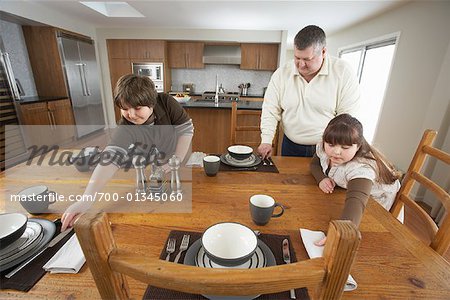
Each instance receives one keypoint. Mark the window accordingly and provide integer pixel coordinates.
(372, 63)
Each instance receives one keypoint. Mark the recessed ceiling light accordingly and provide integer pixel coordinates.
(113, 9)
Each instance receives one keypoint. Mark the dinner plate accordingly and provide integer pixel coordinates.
(252, 161)
(30, 235)
(48, 231)
(17, 254)
(264, 252)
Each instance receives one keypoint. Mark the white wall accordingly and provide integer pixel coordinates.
(34, 11)
(417, 96)
(269, 36)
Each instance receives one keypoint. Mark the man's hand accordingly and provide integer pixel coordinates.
(73, 212)
(327, 185)
(264, 150)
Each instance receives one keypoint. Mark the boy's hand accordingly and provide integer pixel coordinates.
(327, 185)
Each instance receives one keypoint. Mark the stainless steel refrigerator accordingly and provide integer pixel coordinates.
(12, 142)
(83, 82)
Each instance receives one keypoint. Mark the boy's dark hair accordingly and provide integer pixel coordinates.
(347, 130)
(135, 90)
(311, 35)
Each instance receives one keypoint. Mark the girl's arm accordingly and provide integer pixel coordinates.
(325, 183)
(316, 169)
(358, 192)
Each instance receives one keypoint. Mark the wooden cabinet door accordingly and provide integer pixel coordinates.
(118, 68)
(185, 55)
(117, 48)
(150, 50)
(259, 56)
(45, 60)
(61, 112)
(249, 56)
(194, 55)
(35, 114)
(176, 53)
(268, 57)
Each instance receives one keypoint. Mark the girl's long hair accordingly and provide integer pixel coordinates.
(347, 130)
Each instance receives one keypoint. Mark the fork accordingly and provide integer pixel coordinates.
(170, 247)
(183, 247)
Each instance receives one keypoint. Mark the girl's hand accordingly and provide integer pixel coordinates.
(321, 242)
(327, 185)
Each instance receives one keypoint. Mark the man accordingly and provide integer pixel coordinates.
(306, 94)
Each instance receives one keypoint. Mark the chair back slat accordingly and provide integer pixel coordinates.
(109, 265)
(439, 236)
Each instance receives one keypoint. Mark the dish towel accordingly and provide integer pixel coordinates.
(308, 238)
(69, 259)
(196, 159)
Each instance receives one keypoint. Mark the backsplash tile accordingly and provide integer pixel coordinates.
(230, 76)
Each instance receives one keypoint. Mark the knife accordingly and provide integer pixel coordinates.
(287, 259)
(245, 169)
(52, 243)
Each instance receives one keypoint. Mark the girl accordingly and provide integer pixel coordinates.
(140, 104)
(344, 158)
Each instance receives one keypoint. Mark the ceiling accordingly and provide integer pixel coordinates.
(291, 16)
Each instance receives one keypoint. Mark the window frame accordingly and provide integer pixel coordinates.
(364, 46)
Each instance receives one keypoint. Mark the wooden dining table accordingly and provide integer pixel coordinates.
(390, 263)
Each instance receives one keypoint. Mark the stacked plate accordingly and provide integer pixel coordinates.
(263, 257)
(252, 161)
(36, 236)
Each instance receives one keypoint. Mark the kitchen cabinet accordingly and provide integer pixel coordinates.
(45, 61)
(117, 68)
(259, 56)
(186, 55)
(49, 113)
(150, 50)
(118, 49)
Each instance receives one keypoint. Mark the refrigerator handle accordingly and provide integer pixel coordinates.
(80, 66)
(10, 76)
(88, 92)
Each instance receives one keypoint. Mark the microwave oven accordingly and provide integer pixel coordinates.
(155, 71)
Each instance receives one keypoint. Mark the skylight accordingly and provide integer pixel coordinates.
(113, 9)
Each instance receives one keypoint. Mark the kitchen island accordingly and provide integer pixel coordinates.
(212, 124)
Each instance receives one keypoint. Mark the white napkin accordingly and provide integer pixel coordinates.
(68, 259)
(196, 159)
(309, 237)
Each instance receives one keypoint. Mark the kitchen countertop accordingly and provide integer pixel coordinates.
(36, 99)
(256, 105)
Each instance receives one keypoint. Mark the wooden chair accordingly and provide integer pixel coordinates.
(439, 237)
(252, 137)
(108, 265)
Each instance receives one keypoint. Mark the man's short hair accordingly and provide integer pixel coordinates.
(310, 35)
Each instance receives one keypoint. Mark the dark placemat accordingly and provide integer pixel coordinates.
(29, 275)
(258, 168)
(273, 241)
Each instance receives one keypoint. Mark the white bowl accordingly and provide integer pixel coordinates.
(240, 152)
(229, 244)
(12, 226)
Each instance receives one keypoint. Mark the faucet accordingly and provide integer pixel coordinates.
(216, 96)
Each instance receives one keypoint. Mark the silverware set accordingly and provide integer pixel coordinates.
(267, 162)
(171, 245)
